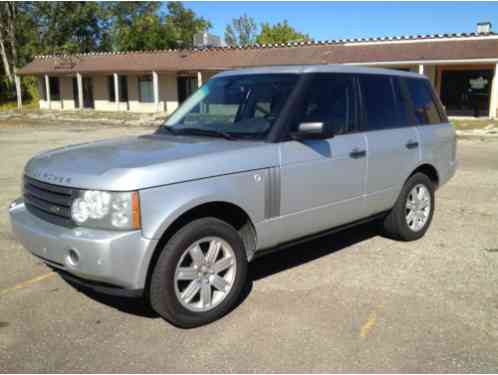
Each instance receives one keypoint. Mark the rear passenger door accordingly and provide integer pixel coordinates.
(392, 144)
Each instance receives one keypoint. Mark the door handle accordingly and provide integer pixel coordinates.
(357, 153)
(411, 144)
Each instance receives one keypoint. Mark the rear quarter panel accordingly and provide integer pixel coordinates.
(438, 148)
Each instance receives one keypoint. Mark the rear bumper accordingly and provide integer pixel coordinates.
(112, 262)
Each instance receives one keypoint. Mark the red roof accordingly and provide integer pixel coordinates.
(395, 49)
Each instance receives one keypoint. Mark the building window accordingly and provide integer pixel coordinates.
(55, 93)
(123, 88)
(43, 88)
(186, 87)
(54, 88)
(145, 89)
(466, 92)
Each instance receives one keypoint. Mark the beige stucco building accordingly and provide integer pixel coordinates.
(462, 67)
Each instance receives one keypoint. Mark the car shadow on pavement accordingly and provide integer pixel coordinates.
(309, 251)
(260, 268)
(129, 305)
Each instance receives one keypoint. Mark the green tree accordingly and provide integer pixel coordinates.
(18, 43)
(140, 26)
(33, 28)
(241, 32)
(279, 33)
(8, 45)
(137, 26)
(185, 23)
(71, 27)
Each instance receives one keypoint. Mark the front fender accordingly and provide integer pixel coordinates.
(161, 206)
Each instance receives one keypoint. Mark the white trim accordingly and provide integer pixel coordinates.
(79, 81)
(155, 86)
(422, 40)
(493, 101)
(116, 90)
(416, 62)
(18, 91)
(47, 91)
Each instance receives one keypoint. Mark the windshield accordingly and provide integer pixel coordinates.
(245, 106)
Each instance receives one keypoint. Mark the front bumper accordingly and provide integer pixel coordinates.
(105, 260)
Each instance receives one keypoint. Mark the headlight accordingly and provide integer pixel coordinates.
(106, 210)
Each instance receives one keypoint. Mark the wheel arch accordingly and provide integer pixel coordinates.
(429, 170)
(229, 212)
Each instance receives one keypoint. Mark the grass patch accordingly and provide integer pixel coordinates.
(466, 124)
(9, 106)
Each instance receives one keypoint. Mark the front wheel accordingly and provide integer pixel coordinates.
(412, 214)
(200, 273)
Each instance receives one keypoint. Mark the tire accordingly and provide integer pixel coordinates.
(396, 223)
(167, 287)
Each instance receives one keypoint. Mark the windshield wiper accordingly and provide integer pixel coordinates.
(207, 132)
(166, 129)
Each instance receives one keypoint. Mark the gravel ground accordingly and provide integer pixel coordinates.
(350, 302)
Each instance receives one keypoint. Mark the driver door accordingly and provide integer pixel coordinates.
(323, 180)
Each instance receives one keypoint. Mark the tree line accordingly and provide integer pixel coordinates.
(50, 28)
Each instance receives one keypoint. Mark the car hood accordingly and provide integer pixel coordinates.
(132, 163)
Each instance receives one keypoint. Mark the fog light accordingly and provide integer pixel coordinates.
(72, 257)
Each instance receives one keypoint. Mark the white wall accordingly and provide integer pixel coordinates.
(168, 95)
(66, 85)
(168, 92)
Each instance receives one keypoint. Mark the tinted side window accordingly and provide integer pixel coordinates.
(402, 107)
(330, 99)
(420, 94)
(380, 106)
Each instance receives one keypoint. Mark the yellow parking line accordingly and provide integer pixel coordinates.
(367, 327)
(27, 283)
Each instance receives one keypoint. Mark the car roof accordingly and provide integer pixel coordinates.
(325, 68)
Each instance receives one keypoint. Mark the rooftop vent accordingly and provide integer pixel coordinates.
(206, 40)
(484, 27)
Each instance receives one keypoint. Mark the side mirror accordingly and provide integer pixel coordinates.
(311, 130)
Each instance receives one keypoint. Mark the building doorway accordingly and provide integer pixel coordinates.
(466, 92)
(186, 87)
(88, 101)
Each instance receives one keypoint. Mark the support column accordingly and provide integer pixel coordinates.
(199, 79)
(18, 92)
(155, 85)
(421, 69)
(47, 91)
(79, 80)
(493, 99)
(116, 90)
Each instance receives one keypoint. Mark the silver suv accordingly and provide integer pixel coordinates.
(253, 161)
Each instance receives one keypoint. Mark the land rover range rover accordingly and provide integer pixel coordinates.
(252, 161)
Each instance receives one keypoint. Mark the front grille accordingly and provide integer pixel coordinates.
(49, 202)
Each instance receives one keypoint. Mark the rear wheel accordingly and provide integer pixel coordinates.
(200, 273)
(412, 214)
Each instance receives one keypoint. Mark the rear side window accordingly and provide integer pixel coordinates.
(383, 107)
(330, 99)
(422, 99)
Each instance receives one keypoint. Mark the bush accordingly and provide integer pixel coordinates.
(7, 90)
(29, 87)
